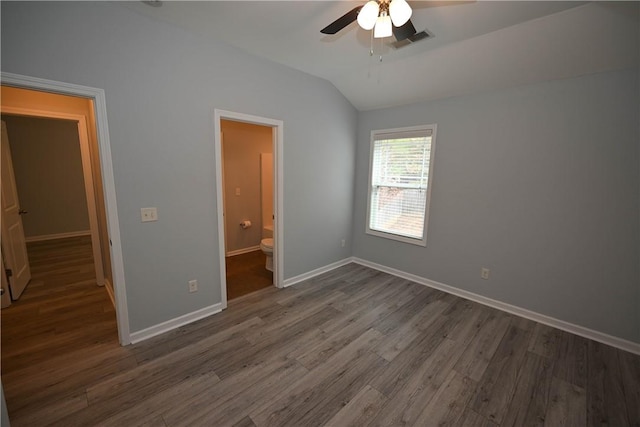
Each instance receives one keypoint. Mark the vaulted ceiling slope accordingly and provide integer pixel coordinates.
(476, 45)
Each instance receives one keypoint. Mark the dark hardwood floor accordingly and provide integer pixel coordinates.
(350, 347)
(246, 273)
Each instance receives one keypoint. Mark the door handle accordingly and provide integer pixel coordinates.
(22, 212)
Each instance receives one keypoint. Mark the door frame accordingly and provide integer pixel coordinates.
(108, 182)
(277, 132)
(87, 172)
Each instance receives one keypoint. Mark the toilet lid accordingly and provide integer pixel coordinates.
(267, 242)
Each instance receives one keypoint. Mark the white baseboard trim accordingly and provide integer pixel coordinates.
(169, 325)
(242, 251)
(582, 331)
(109, 288)
(308, 275)
(57, 236)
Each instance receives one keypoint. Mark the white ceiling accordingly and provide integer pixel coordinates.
(477, 46)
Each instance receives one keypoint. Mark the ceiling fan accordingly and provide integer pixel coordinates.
(385, 17)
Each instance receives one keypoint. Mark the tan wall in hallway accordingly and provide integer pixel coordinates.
(242, 145)
(49, 178)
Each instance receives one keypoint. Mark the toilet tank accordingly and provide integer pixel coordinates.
(267, 232)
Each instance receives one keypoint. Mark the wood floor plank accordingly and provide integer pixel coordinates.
(606, 403)
(630, 375)
(245, 422)
(52, 411)
(567, 405)
(402, 368)
(377, 290)
(189, 334)
(571, 359)
(406, 334)
(236, 396)
(395, 320)
(33, 351)
(63, 381)
(289, 316)
(233, 408)
(478, 354)
(154, 405)
(186, 362)
(339, 336)
(339, 379)
(408, 399)
(470, 418)
(360, 410)
(246, 273)
(545, 341)
(497, 386)
(281, 344)
(528, 405)
(333, 393)
(448, 404)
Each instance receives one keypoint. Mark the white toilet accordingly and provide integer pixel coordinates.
(266, 245)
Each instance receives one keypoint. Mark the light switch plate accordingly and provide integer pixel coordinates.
(148, 214)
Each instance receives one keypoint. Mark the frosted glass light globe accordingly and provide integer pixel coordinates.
(368, 15)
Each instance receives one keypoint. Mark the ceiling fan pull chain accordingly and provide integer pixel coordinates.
(371, 48)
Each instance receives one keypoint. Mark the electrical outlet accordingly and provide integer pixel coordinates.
(193, 286)
(343, 242)
(484, 273)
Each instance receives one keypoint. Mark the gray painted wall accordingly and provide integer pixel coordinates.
(162, 85)
(48, 170)
(242, 145)
(537, 183)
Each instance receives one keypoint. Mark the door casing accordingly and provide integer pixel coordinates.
(278, 187)
(108, 182)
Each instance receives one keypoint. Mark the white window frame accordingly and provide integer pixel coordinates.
(397, 133)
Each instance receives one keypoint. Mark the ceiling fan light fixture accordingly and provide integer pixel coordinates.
(368, 15)
(383, 27)
(400, 12)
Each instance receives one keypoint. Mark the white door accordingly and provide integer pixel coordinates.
(5, 297)
(14, 247)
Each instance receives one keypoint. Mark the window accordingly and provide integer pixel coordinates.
(399, 183)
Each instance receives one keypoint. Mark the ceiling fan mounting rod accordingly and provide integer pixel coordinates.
(384, 6)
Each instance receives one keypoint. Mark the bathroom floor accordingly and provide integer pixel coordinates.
(246, 274)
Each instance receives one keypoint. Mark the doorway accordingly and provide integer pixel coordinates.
(51, 163)
(247, 164)
(240, 228)
(35, 100)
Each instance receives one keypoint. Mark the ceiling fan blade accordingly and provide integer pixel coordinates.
(342, 22)
(404, 31)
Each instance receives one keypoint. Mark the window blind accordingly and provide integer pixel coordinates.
(399, 182)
